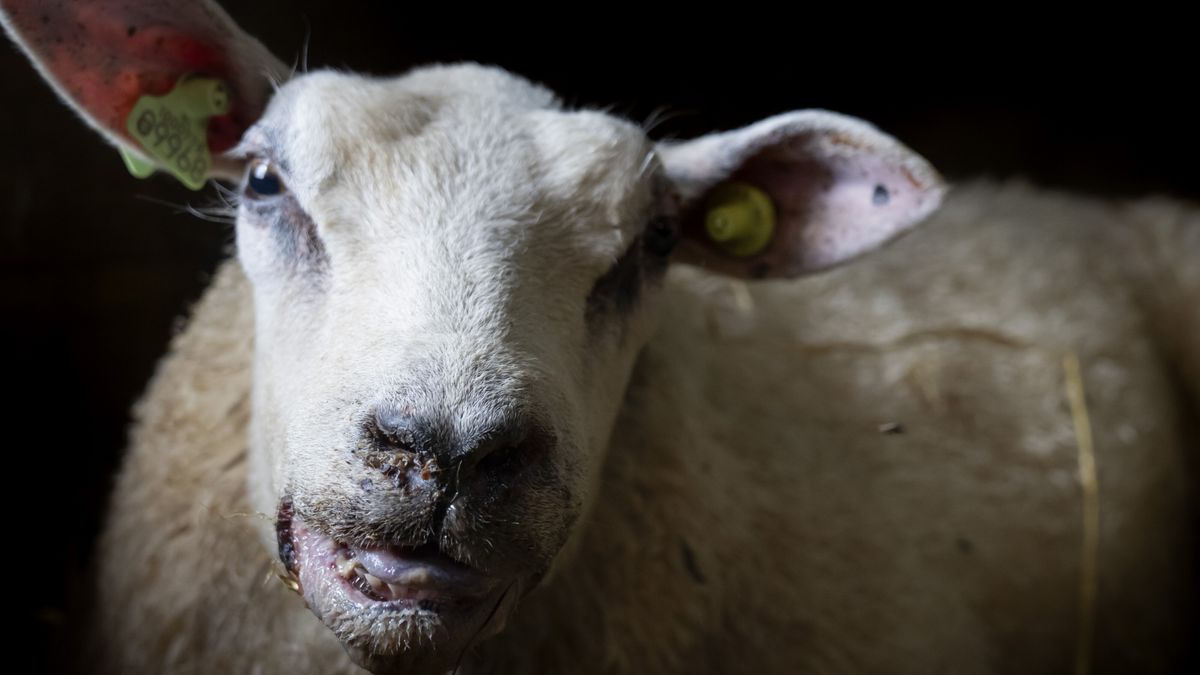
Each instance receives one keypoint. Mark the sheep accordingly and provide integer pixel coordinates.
(891, 466)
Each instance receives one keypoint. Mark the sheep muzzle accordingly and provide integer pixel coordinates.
(395, 608)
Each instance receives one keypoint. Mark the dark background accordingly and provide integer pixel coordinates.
(98, 268)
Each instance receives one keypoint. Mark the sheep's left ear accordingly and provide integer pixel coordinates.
(834, 187)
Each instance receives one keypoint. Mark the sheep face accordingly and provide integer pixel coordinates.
(452, 279)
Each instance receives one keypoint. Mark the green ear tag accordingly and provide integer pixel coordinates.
(740, 219)
(173, 129)
(137, 166)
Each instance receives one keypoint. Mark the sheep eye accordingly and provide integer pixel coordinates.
(661, 235)
(262, 181)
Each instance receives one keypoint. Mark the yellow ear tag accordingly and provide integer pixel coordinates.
(173, 129)
(740, 219)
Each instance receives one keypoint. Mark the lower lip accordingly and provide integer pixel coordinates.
(419, 580)
(405, 593)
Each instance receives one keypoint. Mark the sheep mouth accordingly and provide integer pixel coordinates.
(408, 576)
(392, 605)
(399, 576)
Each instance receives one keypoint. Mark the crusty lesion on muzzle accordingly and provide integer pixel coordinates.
(500, 521)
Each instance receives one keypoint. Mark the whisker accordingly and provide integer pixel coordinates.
(270, 77)
(472, 642)
(217, 213)
(304, 48)
(660, 116)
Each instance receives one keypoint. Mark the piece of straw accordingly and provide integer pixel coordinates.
(1089, 493)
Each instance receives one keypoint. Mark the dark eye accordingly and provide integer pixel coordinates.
(262, 181)
(661, 235)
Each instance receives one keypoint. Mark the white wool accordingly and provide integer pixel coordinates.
(752, 516)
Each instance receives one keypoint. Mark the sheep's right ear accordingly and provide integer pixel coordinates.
(104, 56)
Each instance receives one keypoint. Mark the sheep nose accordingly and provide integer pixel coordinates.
(395, 428)
(403, 439)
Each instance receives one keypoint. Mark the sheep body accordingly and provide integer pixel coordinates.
(870, 470)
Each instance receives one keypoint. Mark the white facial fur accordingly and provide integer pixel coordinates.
(436, 251)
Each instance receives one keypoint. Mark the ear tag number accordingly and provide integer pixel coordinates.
(740, 219)
(173, 129)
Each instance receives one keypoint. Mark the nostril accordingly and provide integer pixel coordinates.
(510, 451)
(398, 442)
(500, 457)
(396, 427)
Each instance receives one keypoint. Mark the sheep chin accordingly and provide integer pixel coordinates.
(438, 649)
(419, 641)
(425, 631)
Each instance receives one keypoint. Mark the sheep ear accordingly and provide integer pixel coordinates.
(811, 188)
(104, 56)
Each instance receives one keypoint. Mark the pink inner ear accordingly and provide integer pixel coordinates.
(833, 203)
(836, 195)
(105, 60)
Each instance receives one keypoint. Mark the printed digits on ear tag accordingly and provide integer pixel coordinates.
(172, 130)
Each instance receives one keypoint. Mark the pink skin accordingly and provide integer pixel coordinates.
(420, 575)
(106, 54)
